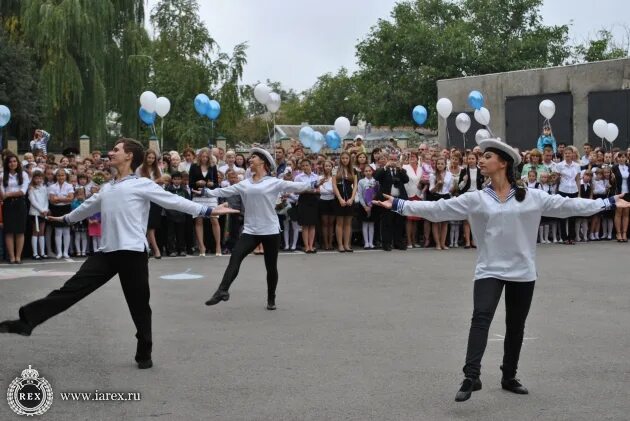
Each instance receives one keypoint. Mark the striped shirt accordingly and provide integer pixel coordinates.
(41, 143)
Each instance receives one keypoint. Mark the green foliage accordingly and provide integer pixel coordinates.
(601, 48)
(427, 40)
(188, 62)
(18, 88)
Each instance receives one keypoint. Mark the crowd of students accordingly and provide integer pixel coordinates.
(336, 214)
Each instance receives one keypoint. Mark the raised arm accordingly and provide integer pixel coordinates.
(556, 206)
(229, 191)
(454, 209)
(292, 186)
(167, 200)
(87, 209)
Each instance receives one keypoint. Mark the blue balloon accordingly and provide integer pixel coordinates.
(333, 141)
(318, 142)
(306, 136)
(202, 104)
(147, 117)
(419, 114)
(5, 115)
(214, 109)
(475, 99)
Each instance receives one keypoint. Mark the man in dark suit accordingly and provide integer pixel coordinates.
(392, 179)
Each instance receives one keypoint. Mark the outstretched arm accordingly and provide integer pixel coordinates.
(222, 192)
(454, 209)
(557, 206)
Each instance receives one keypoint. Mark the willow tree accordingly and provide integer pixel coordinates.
(74, 41)
(187, 61)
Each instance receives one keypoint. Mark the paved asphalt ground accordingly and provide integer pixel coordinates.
(367, 336)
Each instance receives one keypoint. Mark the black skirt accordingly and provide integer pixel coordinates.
(345, 191)
(59, 211)
(155, 217)
(307, 210)
(326, 207)
(14, 215)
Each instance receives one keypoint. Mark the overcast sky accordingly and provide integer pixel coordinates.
(295, 41)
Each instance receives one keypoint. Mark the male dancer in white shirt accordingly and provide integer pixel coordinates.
(124, 207)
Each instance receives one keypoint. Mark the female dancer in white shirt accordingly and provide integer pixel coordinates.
(261, 226)
(502, 217)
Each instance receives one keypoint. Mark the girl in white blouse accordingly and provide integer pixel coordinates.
(569, 187)
(60, 197)
(414, 192)
(38, 198)
(13, 188)
(326, 204)
(440, 185)
(501, 217)
(622, 177)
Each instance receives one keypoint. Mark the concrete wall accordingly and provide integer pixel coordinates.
(578, 79)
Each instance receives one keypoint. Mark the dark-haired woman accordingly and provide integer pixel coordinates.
(503, 218)
(259, 194)
(13, 188)
(151, 169)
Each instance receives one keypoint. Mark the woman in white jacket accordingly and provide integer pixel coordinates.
(38, 198)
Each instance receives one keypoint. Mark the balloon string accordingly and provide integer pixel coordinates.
(490, 131)
(464, 137)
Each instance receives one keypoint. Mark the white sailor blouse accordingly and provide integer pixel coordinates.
(505, 231)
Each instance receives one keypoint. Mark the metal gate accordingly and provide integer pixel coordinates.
(523, 121)
(614, 107)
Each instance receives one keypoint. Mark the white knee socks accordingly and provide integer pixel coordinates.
(62, 232)
(80, 243)
(368, 234)
(42, 246)
(96, 243)
(34, 245)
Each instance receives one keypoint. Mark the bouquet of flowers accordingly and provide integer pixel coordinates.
(98, 178)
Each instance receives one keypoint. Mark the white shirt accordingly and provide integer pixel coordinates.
(38, 196)
(311, 179)
(568, 172)
(505, 232)
(124, 207)
(12, 185)
(259, 201)
(326, 191)
(446, 186)
(61, 190)
(600, 186)
(473, 180)
(414, 178)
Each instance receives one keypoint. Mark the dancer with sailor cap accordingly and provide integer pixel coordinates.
(501, 217)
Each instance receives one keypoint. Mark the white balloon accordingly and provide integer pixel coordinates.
(462, 121)
(444, 107)
(600, 127)
(162, 106)
(612, 131)
(481, 135)
(342, 126)
(262, 93)
(482, 115)
(547, 108)
(148, 100)
(273, 104)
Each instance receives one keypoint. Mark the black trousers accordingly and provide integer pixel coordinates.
(570, 235)
(244, 246)
(133, 270)
(486, 296)
(176, 235)
(393, 229)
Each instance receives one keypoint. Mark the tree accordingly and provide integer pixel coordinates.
(603, 47)
(73, 42)
(331, 96)
(188, 62)
(18, 88)
(427, 40)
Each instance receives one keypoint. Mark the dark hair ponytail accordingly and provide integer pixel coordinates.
(521, 189)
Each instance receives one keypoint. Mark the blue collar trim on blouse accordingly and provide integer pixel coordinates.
(489, 190)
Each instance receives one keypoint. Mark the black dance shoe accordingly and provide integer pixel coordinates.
(514, 385)
(16, 326)
(469, 385)
(271, 304)
(144, 364)
(218, 297)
